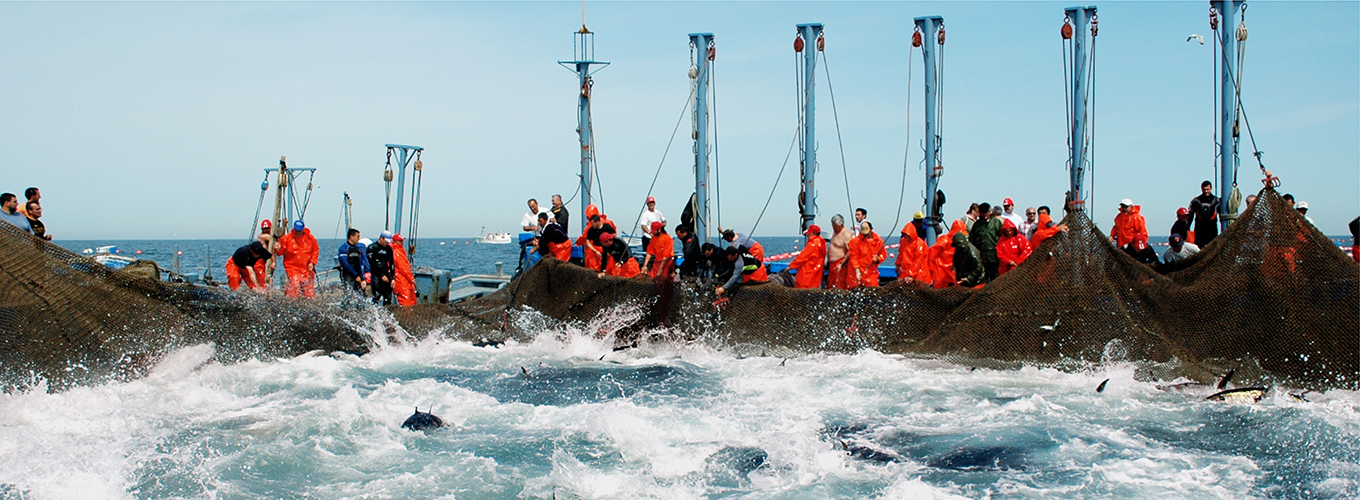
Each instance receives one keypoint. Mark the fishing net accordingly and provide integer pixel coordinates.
(66, 319)
(1271, 298)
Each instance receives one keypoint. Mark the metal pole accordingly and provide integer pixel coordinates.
(929, 26)
(810, 34)
(1227, 146)
(401, 184)
(583, 49)
(702, 42)
(1081, 18)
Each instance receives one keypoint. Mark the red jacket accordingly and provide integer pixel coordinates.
(913, 257)
(299, 251)
(865, 255)
(661, 248)
(942, 257)
(404, 287)
(1011, 250)
(810, 262)
(1127, 224)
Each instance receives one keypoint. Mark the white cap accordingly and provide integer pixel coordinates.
(1126, 202)
(1302, 205)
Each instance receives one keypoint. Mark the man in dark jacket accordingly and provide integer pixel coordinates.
(382, 268)
(967, 265)
(245, 259)
(1204, 214)
(353, 261)
(984, 235)
(690, 250)
(1182, 224)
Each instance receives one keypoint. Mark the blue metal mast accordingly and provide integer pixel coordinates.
(703, 44)
(1227, 142)
(404, 155)
(928, 26)
(583, 50)
(808, 34)
(1079, 17)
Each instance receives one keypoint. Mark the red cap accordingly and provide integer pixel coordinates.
(1008, 201)
(397, 237)
(1182, 211)
(656, 226)
(606, 237)
(813, 229)
(651, 199)
(265, 224)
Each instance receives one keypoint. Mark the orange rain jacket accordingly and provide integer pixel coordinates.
(810, 262)
(1128, 224)
(1043, 232)
(913, 258)
(942, 257)
(661, 248)
(1011, 249)
(591, 254)
(865, 254)
(299, 252)
(404, 286)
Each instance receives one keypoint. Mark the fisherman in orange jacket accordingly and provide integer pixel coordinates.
(234, 280)
(554, 240)
(866, 252)
(942, 256)
(1044, 231)
(1128, 223)
(660, 252)
(404, 285)
(618, 259)
(589, 241)
(810, 262)
(1012, 248)
(913, 258)
(300, 252)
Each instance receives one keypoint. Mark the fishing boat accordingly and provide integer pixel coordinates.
(494, 238)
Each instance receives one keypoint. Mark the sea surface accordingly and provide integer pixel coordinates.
(565, 416)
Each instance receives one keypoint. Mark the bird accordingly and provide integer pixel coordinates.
(1196, 37)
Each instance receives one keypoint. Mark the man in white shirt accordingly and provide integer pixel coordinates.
(1178, 249)
(1031, 223)
(650, 215)
(530, 220)
(1009, 206)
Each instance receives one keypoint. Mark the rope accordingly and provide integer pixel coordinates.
(594, 165)
(1091, 144)
(264, 189)
(713, 88)
(387, 205)
(419, 176)
(906, 154)
(826, 66)
(797, 132)
(1237, 94)
(683, 111)
(1067, 99)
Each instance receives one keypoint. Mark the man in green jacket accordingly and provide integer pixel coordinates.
(984, 235)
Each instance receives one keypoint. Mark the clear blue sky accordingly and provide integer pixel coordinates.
(156, 120)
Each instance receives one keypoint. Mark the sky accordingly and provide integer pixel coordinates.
(156, 120)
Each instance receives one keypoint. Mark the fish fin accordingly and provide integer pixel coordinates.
(1101, 388)
(1223, 382)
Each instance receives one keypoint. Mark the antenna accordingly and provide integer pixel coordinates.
(583, 17)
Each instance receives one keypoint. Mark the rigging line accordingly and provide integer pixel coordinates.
(387, 205)
(1091, 149)
(939, 108)
(1217, 98)
(1067, 103)
(826, 67)
(683, 111)
(906, 155)
(792, 143)
(258, 207)
(594, 165)
(1237, 92)
(713, 88)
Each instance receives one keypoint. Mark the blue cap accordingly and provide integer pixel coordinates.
(298, 225)
(386, 235)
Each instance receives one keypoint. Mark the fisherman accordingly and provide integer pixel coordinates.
(618, 258)
(244, 259)
(1128, 223)
(559, 212)
(34, 213)
(382, 269)
(353, 261)
(811, 261)
(31, 195)
(530, 219)
(300, 252)
(1046, 230)
(717, 267)
(404, 286)
(967, 266)
(1139, 250)
(590, 237)
(528, 252)
(660, 259)
(1251, 200)
(860, 215)
(739, 240)
(1203, 214)
(866, 252)
(1031, 223)
(984, 235)
(942, 256)
(1302, 208)
(746, 268)
(1182, 224)
(918, 219)
(1010, 215)
(649, 216)
(1044, 210)
(1179, 249)
(1011, 249)
(837, 248)
(1354, 226)
(554, 240)
(913, 257)
(690, 250)
(9, 212)
(970, 217)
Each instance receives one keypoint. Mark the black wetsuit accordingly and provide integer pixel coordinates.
(1182, 228)
(352, 264)
(1204, 214)
(616, 249)
(380, 264)
(552, 233)
(561, 215)
(1147, 255)
(246, 257)
(693, 254)
(593, 234)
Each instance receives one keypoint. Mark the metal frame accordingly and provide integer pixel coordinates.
(701, 43)
(583, 51)
(807, 118)
(930, 26)
(1080, 18)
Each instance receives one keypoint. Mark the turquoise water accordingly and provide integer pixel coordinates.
(565, 416)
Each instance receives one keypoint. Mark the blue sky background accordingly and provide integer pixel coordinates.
(156, 120)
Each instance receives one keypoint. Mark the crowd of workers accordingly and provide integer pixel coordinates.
(380, 269)
(983, 245)
(26, 215)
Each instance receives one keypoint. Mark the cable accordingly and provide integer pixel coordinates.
(906, 154)
(683, 111)
(717, 186)
(796, 133)
(826, 66)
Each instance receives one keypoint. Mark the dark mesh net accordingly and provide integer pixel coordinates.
(1271, 298)
(67, 319)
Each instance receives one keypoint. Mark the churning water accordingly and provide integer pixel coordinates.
(565, 416)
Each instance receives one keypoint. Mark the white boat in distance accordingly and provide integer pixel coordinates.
(494, 238)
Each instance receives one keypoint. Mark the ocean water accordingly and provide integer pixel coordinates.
(565, 416)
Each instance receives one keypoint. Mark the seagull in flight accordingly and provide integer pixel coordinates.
(1196, 37)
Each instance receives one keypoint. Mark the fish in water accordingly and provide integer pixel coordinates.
(1101, 387)
(488, 343)
(1240, 395)
(422, 421)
